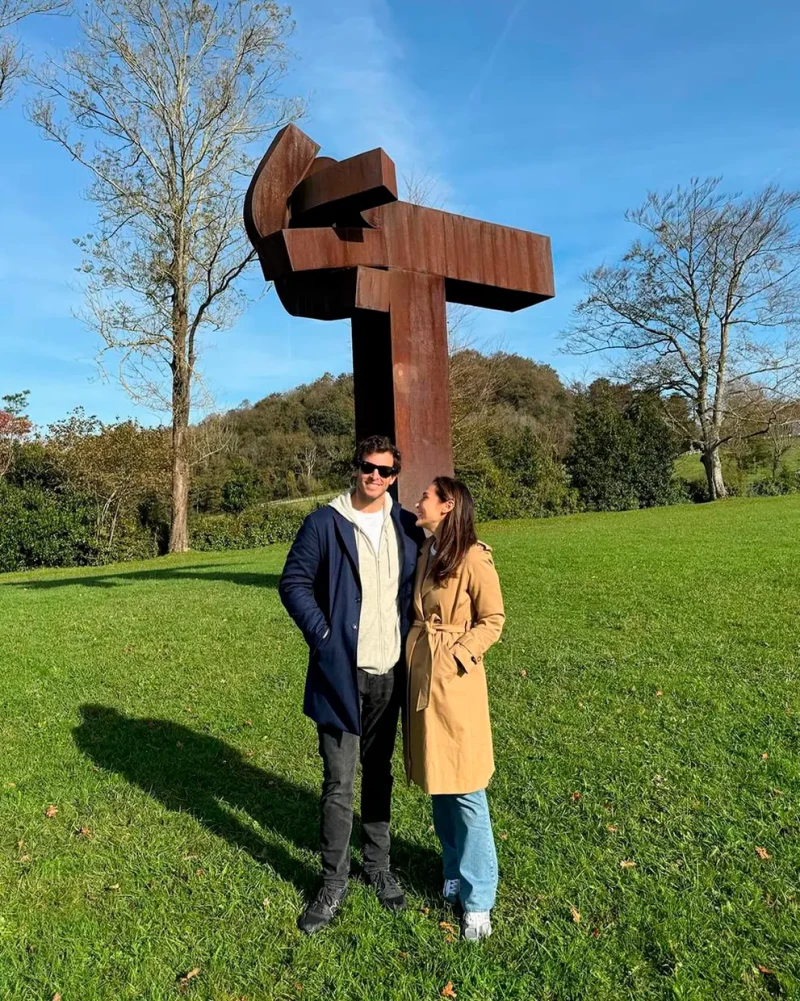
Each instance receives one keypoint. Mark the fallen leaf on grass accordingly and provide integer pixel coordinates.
(523, 674)
(447, 990)
(84, 832)
(20, 844)
(659, 693)
(576, 915)
(403, 955)
(764, 756)
(595, 933)
(612, 828)
(185, 978)
(576, 796)
(425, 910)
(51, 811)
(248, 722)
(763, 854)
(56, 996)
(766, 971)
(627, 864)
(778, 792)
(447, 927)
(503, 835)
(265, 903)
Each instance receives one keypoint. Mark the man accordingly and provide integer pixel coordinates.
(348, 583)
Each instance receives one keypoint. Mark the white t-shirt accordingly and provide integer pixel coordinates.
(371, 525)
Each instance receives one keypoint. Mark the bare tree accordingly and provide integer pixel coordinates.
(12, 57)
(163, 102)
(703, 306)
(307, 458)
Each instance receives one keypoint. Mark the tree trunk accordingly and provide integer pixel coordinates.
(179, 531)
(181, 389)
(713, 467)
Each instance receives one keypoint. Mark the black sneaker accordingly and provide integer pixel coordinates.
(389, 891)
(322, 909)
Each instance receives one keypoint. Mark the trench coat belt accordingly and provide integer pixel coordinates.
(434, 629)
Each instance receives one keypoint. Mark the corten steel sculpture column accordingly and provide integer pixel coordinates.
(337, 243)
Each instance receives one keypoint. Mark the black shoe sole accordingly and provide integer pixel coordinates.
(389, 906)
(316, 930)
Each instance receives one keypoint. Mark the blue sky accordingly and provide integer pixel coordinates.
(552, 117)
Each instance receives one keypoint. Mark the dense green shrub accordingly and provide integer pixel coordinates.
(623, 451)
(40, 528)
(257, 526)
(686, 491)
(786, 482)
(241, 489)
(519, 479)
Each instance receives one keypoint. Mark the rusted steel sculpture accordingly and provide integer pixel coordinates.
(338, 244)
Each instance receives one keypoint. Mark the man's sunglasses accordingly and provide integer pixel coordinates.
(384, 471)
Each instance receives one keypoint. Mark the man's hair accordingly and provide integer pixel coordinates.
(376, 443)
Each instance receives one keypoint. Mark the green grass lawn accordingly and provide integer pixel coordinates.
(645, 703)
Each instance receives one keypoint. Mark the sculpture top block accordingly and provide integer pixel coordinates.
(307, 213)
(337, 243)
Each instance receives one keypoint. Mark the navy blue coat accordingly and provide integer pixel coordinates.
(321, 589)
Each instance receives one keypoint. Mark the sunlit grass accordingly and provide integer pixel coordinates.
(645, 704)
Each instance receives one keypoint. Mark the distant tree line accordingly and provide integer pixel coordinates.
(81, 491)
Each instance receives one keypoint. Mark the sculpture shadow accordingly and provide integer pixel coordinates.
(202, 572)
(203, 776)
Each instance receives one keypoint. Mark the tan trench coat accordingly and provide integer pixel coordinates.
(448, 735)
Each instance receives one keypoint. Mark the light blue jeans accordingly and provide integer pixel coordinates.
(464, 828)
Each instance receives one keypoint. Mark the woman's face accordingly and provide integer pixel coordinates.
(431, 510)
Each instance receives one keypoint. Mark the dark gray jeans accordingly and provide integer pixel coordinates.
(380, 696)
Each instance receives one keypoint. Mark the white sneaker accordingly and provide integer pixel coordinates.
(451, 890)
(476, 924)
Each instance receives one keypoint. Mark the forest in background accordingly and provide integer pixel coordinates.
(82, 492)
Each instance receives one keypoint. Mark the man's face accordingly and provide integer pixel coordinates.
(371, 484)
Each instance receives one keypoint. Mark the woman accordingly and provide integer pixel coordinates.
(458, 611)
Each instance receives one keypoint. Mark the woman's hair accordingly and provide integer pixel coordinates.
(457, 533)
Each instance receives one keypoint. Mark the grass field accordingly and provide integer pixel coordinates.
(689, 467)
(645, 702)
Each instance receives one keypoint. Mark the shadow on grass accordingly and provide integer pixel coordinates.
(203, 572)
(202, 775)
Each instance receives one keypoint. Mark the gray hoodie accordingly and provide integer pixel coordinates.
(379, 623)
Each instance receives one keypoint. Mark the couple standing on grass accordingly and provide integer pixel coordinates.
(396, 622)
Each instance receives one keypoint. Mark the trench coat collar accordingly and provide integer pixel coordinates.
(424, 581)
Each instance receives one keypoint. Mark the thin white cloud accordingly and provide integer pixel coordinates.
(491, 59)
(353, 65)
